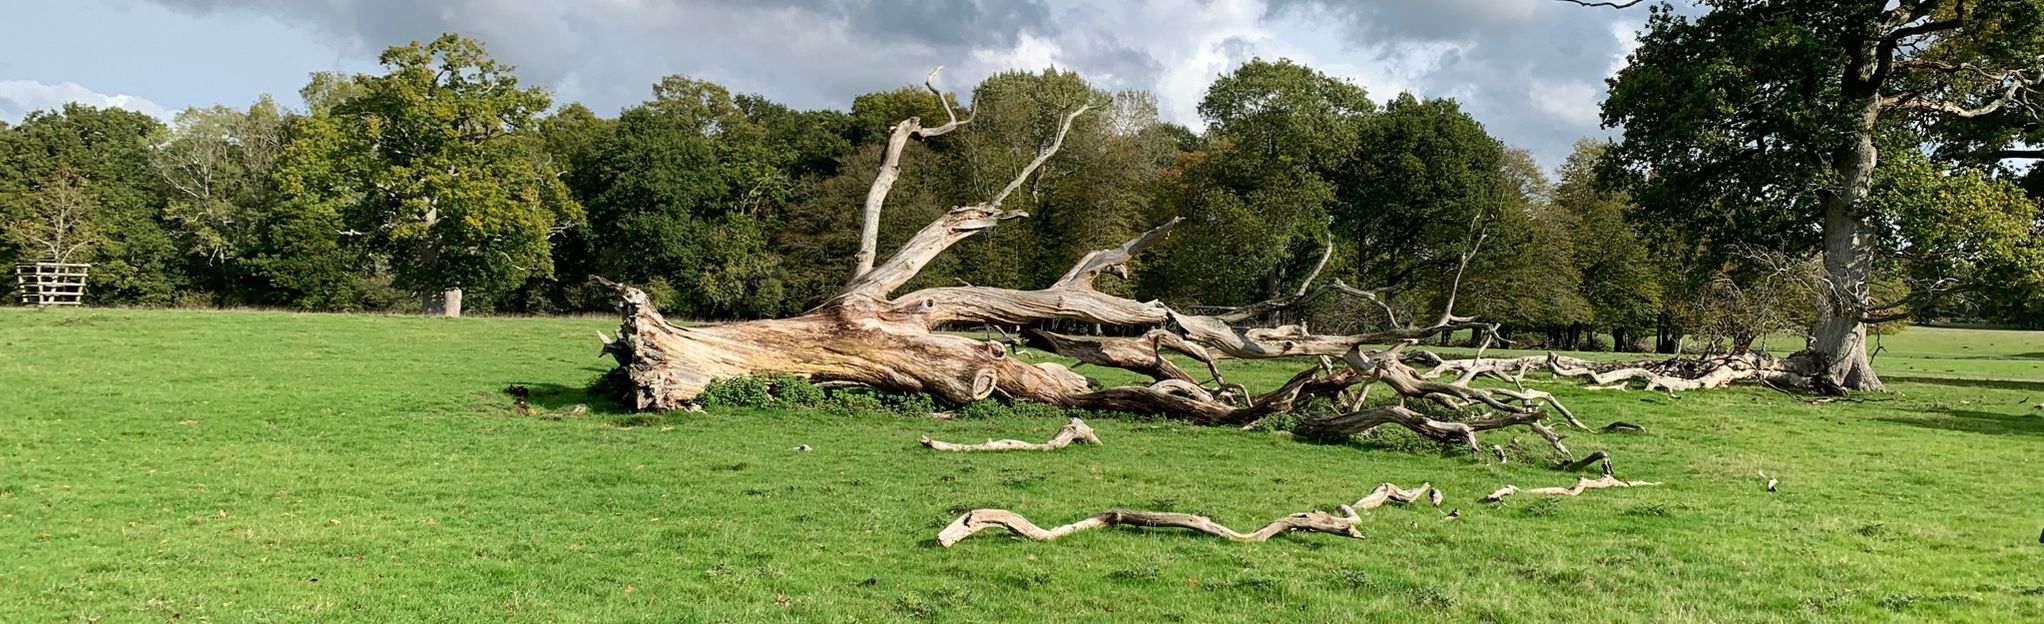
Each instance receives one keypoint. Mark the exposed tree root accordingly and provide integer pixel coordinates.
(1074, 431)
(1342, 523)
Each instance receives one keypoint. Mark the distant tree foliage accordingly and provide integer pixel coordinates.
(442, 171)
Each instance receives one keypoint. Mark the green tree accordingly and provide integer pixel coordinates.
(1526, 274)
(216, 164)
(57, 222)
(675, 166)
(1089, 197)
(107, 150)
(1423, 176)
(1261, 192)
(453, 186)
(1757, 122)
(1621, 280)
(309, 257)
(1951, 231)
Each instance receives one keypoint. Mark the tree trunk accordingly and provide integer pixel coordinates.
(444, 303)
(1841, 335)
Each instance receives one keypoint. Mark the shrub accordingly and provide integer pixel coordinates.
(748, 391)
(795, 391)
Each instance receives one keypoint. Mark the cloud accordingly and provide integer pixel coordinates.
(18, 98)
(1531, 70)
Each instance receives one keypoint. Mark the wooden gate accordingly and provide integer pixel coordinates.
(51, 283)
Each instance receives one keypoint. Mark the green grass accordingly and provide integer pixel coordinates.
(273, 467)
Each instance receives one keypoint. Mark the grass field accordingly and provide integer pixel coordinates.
(274, 467)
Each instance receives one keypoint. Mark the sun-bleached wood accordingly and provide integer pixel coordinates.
(1074, 431)
(1342, 523)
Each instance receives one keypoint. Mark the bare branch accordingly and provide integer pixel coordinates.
(1113, 260)
(890, 170)
(1615, 5)
(1041, 156)
(878, 281)
(1317, 267)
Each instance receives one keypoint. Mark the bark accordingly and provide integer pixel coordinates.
(1680, 375)
(1841, 333)
(444, 303)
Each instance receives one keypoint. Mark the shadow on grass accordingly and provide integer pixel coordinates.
(1998, 384)
(1972, 421)
(547, 397)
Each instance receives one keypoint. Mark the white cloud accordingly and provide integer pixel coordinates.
(1571, 101)
(18, 98)
(1530, 70)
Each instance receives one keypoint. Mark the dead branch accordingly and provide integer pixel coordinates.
(1614, 5)
(1673, 376)
(1444, 432)
(1391, 493)
(1074, 431)
(978, 520)
(1342, 523)
(890, 170)
(1583, 484)
(867, 335)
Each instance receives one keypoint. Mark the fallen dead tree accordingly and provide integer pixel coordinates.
(868, 335)
(1074, 431)
(1342, 523)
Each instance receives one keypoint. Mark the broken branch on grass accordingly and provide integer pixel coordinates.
(1583, 484)
(977, 520)
(1074, 431)
(1342, 523)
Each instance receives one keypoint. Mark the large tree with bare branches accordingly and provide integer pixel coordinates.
(1763, 121)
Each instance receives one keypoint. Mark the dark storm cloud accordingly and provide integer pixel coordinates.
(1531, 70)
(813, 52)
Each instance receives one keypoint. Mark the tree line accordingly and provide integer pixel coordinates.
(443, 182)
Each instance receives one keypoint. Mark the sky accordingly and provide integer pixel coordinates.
(1531, 70)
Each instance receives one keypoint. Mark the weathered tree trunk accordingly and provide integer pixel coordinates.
(1841, 333)
(444, 303)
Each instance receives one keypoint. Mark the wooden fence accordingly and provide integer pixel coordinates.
(51, 283)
